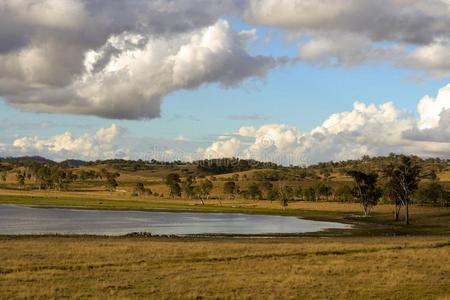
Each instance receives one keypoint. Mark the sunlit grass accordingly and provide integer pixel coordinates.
(302, 268)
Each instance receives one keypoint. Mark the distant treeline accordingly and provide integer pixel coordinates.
(230, 165)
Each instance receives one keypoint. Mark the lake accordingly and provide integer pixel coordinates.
(21, 220)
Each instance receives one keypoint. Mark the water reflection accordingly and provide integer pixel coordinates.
(29, 220)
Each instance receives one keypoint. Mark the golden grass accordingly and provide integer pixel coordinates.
(225, 202)
(301, 268)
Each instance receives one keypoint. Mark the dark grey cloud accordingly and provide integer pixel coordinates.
(118, 59)
(412, 34)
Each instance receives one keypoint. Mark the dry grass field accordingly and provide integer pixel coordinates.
(300, 268)
(377, 259)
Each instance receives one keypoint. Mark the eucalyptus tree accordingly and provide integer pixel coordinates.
(230, 188)
(173, 182)
(20, 180)
(366, 189)
(403, 177)
(187, 187)
(284, 195)
(139, 189)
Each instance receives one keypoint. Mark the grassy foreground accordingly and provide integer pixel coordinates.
(382, 259)
(301, 268)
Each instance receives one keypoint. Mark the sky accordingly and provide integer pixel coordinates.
(289, 81)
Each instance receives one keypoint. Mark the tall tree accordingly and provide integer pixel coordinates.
(230, 188)
(254, 192)
(403, 179)
(173, 182)
(266, 188)
(206, 187)
(187, 187)
(111, 184)
(139, 189)
(284, 195)
(366, 189)
(21, 180)
(392, 192)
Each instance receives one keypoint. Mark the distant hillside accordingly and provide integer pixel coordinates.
(327, 170)
(27, 160)
(72, 163)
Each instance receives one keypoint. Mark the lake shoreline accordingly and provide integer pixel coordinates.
(35, 220)
(425, 221)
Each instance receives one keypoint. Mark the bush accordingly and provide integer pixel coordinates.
(344, 193)
(431, 193)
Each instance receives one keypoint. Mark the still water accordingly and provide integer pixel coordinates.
(18, 220)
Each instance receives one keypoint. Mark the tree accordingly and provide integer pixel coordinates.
(197, 190)
(325, 191)
(20, 180)
(317, 186)
(344, 193)
(431, 193)
(298, 193)
(254, 192)
(203, 190)
(266, 188)
(173, 182)
(272, 195)
(111, 184)
(206, 187)
(139, 189)
(187, 187)
(230, 188)
(403, 179)
(366, 189)
(4, 175)
(309, 194)
(284, 195)
(60, 178)
(391, 191)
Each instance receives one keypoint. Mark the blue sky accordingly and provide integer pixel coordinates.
(300, 94)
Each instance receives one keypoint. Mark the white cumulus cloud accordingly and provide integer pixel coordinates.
(66, 145)
(430, 108)
(367, 129)
(224, 148)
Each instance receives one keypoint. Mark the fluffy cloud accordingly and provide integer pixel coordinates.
(430, 108)
(438, 134)
(86, 146)
(109, 134)
(247, 131)
(434, 121)
(365, 130)
(51, 59)
(223, 148)
(411, 33)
